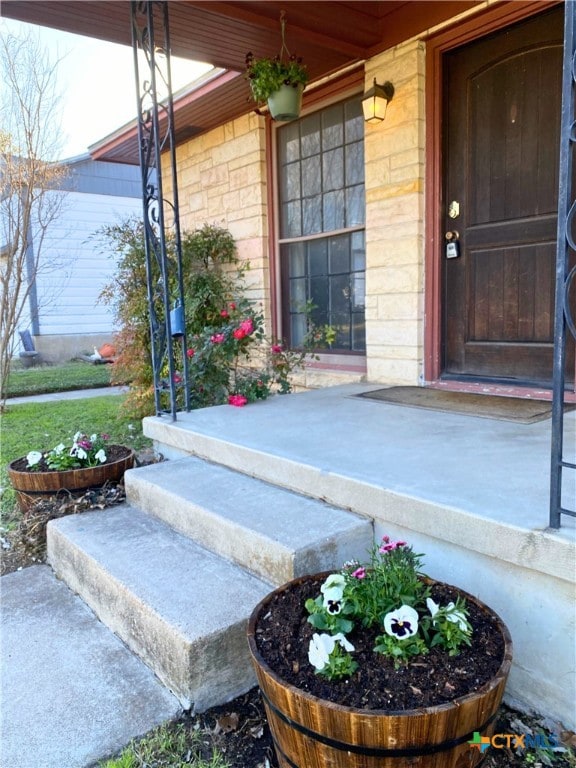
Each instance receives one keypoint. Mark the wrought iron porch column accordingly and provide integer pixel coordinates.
(162, 241)
(565, 277)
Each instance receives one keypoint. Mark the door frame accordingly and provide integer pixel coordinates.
(492, 19)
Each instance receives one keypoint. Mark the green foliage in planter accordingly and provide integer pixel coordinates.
(43, 424)
(266, 76)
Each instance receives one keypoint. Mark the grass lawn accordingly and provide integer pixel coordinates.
(41, 426)
(57, 378)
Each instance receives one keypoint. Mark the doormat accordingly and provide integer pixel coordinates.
(520, 410)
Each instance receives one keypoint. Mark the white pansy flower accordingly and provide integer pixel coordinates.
(321, 646)
(401, 623)
(341, 639)
(33, 458)
(319, 650)
(81, 453)
(93, 438)
(432, 606)
(333, 592)
(100, 456)
(456, 617)
(59, 448)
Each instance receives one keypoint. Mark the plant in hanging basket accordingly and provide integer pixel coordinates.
(266, 76)
(278, 81)
(377, 666)
(85, 461)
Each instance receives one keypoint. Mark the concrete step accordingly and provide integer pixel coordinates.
(72, 692)
(182, 609)
(273, 532)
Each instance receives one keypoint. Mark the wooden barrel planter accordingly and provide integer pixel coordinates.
(33, 486)
(310, 732)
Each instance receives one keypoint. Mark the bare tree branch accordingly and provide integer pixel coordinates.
(30, 176)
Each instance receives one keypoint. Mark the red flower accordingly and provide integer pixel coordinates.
(237, 400)
(224, 313)
(190, 352)
(232, 305)
(177, 379)
(276, 349)
(247, 326)
(217, 338)
(239, 333)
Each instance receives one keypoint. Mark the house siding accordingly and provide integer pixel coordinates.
(68, 297)
(63, 311)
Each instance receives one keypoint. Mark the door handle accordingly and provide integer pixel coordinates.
(452, 236)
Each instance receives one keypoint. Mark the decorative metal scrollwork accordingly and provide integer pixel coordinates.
(561, 492)
(162, 242)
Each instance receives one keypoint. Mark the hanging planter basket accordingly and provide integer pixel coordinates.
(310, 732)
(286, 103)
(33, 486)
(279, 81)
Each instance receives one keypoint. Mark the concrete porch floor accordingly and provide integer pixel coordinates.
(471, 493)
(498, 471)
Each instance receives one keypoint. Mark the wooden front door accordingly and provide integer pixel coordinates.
(501, 145)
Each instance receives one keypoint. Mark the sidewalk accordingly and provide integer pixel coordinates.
(75, 394)
(72, 691)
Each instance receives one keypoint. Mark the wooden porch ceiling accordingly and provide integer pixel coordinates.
(329, 35)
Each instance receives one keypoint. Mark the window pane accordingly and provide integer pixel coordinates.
(341, 323)
(310, 132)
(355, 207)
(354, 126)
(311, 178)
(355, 163)
(332, 128)
(290, 143)
(358, 332)
(291, 182)
(358, 251)
(297, 259)
(339, 254)
(297, 330)
(333, 169)
(298, 294)
(318, 257)
(312, 216)
(358, 291)
(319, 298)
(291, 224)
(340, 294)
(334, 210)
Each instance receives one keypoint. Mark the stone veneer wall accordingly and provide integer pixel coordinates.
(222, 181)
(394, 152)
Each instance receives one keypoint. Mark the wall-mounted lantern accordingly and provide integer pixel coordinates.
(375, 102)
